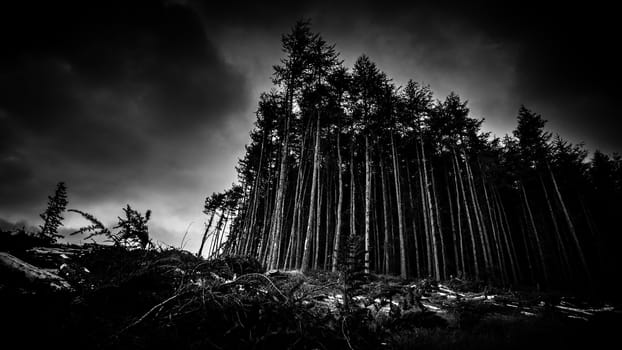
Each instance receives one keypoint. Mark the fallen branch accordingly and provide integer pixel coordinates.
(146, 314)
(248, 275)
(47, 251)
(343, 331)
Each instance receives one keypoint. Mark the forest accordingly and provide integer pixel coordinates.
(366, 215)
(342, 160)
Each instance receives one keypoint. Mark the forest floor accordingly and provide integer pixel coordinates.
(105, 297)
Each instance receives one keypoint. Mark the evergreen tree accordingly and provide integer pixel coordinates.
(133, 229)
(415, 179)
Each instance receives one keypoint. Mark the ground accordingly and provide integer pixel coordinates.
(168, 298)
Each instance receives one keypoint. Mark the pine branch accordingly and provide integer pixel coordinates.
(97, 228)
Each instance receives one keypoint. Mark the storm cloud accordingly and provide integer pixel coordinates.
(150, 102)
(122, 103)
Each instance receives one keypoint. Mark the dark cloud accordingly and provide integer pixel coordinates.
(95, 93)
(565, 63)
(150, 102)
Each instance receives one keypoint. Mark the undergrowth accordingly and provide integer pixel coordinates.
(169, 298)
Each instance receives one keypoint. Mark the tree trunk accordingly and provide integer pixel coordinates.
(413, 210)
(329, 202)
(560, 243)
(440, 229)
(318, 215)
(378, 255)
(385, 209)
(352, 192)
(573, 232)
(479, 220)
(454, 239)
(337, 243)
(536, 234)
(306, 254)
(294, 231)
(424, 207)
(367, 202)
(205, 234)
(250, 226)
(459, 219)
(526, 244)
(400, 215)
(468, 215)
(301, 225)
(222, 233)
(493, 225)
(217, 233)
(277, 215)
(495, 233)
(264, 244)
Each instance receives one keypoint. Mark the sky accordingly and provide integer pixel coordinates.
(149, 103)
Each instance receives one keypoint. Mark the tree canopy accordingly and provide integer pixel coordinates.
(340, 152)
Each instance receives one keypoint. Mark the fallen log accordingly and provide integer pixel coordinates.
(51, 257)
(55, 251)
(21, 270)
